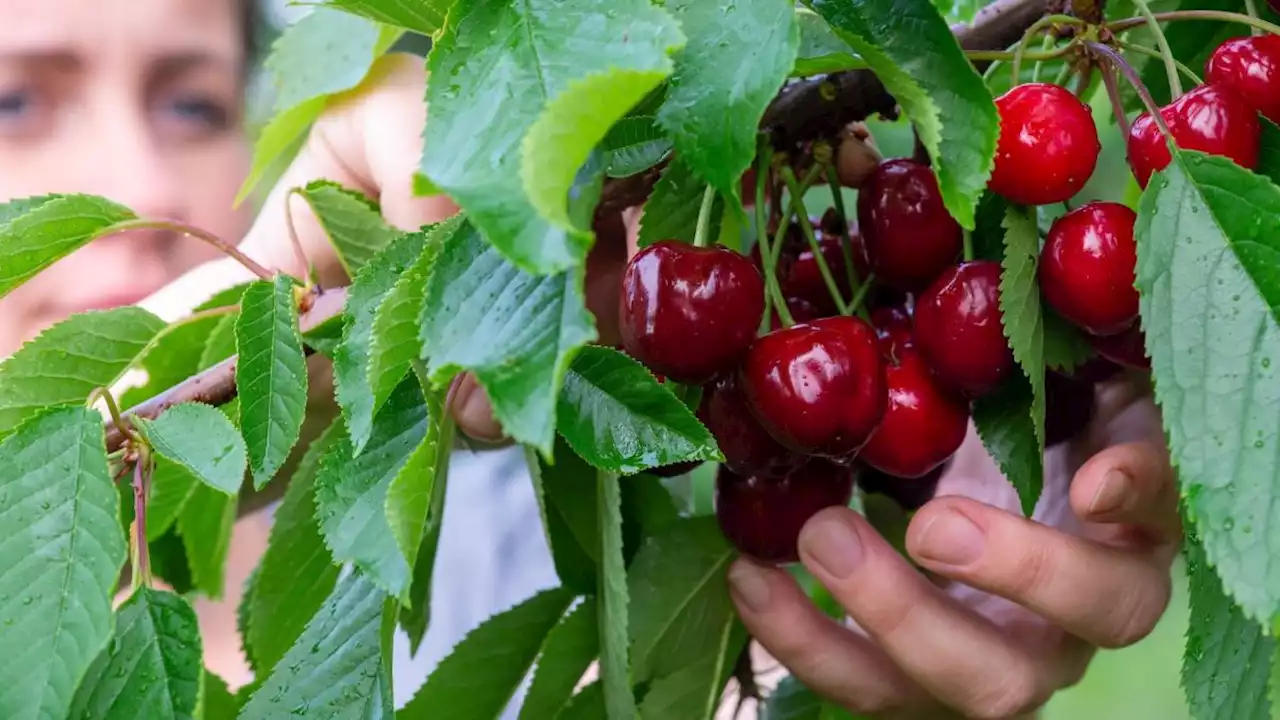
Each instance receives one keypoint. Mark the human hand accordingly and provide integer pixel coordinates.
(1013, 609)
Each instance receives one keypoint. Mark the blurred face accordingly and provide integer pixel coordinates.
(135, 100)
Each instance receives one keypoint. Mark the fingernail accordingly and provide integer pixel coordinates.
(750, 585)
(834, 546)
(1110, 494)
(950, 538)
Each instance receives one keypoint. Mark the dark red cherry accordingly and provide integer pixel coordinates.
(959, 331)
(1096, 369)
(909, 493)
(1048, 145)
(801, 311)
(923, 425)
(1069, 406)
(1251, 67)
(1128, 348)
(748, 449)
(689, 312)
(1087, 267)
(817, 388)
(1209, 118)
(893, 328)
(910, 237)
(762, 516)
(803, 278)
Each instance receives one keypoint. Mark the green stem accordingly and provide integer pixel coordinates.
(112, 409)
(1252, 11)
(1062, 75)
(859, 298)
(1117, 103)
(700, 235)
(1166, 54)
(999, 55)
(1143, 50)
(1129, 23)
(1036, 28)
(194, 232)
(1045, 44)
(1120, 64)
(968, 246)
(797, 202)
(846, 244)
(141, 560)
(773, 293)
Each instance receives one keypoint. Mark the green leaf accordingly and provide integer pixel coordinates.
(422, 16)
(408, 503)
(202, 440)
(678, 590)
(588, 704)
(280, 137)
(566, 79)
(481, 674)
(415, 615)
(1207, 257)
(912, 51)
(617, 416)
(615, 662)
(515, 331)
(297, 572)
(351, 359)
(39, 231)
(694, 691)
(171, 489)
(152, 667)
(1227, 661)
(334, 668)
(169, 558)
(820, 50)
(394, 343)
(1020, 313)
(271, 375)
(351, 491)
(205, 523)
(68, 361)
(1065, 346)
(738, 55)
(217, 702)
(791, 700)
(634, 144)
(569, 649)
(222, 341)
(352, 221)
(60, 557)
(671, 212)
(1003, 420)
(566, 491)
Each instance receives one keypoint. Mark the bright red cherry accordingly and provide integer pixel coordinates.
(748, 449)
(923, 425)
(1069, 406)
(959, 331)
(1251, 67)
(762, 516)
(1087, 267)
(1048, 145)
(909, 236)
(689, 312)
(1128, 348)
(909, 493)
(1210, 118)
(817, 388)
(893, 328)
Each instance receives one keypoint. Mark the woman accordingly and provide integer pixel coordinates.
(145, 109)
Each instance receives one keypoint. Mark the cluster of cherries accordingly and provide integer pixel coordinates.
(801, 412)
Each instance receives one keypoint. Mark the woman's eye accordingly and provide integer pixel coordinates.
(15, 102)
(209, 113)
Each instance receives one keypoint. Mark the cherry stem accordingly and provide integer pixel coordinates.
(1143, 50)
(1128, 23)
(1252, 11)
(1166, 54)
(797, 204)
(194, 232)
(846, 244)
(1061, 77)
(999, 55)
(141, 488)
(1131, 75)
(1117, 103)
(859, 298)
(1037, 27)
(968, 246)
(113, 409)
(700, 235)
(1045, 44)
(773, 294)
(308, 271)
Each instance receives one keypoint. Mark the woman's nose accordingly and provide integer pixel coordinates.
(126, 163)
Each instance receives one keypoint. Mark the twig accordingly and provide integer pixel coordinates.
(141, 552)
(194, 232)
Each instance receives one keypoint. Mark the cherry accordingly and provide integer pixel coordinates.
(801, 311)
(817, 388)
(1096, 369)
(1210, 118)
(1069, 406)
(1128, 348)
(910, 237)
(803, 277)
(909, 493)
(893, 328)
(1048, 145)
(923, 425)
(1087, 267)
(689, 312)
(959, 331)
(1251, 67)
(763, 516)
(748, 449)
